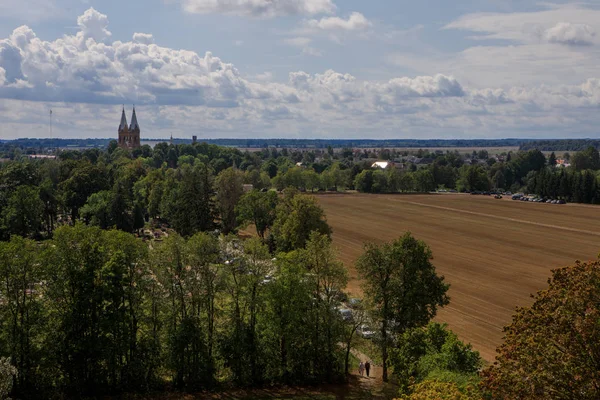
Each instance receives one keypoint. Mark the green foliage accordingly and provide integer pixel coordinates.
(23, 215)
(258, 208)
(472, 178)
(402, 285)
(187, 203)
(7, 374)
(297, 217)
(433, 352)
(587, 159)
(229, 187)
(442, 389)
(97, 210)
(550, 348)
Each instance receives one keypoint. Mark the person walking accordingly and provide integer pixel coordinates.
(361, 368)
(368, 368)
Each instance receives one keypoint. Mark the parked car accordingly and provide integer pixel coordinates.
(498, 196)
(354, 303)
(366, 332)
(561, 201)
(346, 314)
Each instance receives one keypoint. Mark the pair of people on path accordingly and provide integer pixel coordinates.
(364, 367)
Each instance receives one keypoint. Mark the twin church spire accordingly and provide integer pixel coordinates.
(129, 136)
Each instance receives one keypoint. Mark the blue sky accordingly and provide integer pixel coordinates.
(301, 68)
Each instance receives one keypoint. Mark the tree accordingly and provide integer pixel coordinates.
(499, 180)
(97, 210)
(328, 278)
(433, 352)
(552, 160)
(189, 206)
(21, 309)
(258, 208)
(364, 181)
(24, 212)
(229, 188)
(82, 183)
(402, 285)
(297, 217)
(473, 177)
(551, 349)
(435, 389)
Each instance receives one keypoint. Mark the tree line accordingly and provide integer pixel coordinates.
(91, 305)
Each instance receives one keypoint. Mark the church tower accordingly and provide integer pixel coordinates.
(129, 136)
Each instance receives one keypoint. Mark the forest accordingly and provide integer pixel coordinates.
(179, 268)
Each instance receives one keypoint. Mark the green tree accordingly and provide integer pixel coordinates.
(433, 352)
(552, 160)
(297, 217)
(258, 208)
(229, 188)
(22, 309)
(328, 279)
(189, 206)
(402, 285)
(24, 212)
(550, 348)
(82, 183)
(97, 210)
(364, 181)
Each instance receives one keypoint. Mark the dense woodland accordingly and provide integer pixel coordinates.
(122, 272)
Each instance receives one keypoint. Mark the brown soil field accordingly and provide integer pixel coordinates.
(494, 253)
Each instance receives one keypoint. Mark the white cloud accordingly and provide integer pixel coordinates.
(88, 74)
(571, 34)
(299, 41)
(143, 38)
(356, 22)
(259, 8)
(531, 27)
(93, 25)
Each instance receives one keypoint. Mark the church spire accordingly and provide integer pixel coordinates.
(134, 123)
(123, 125)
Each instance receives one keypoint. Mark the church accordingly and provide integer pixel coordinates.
(129, 136)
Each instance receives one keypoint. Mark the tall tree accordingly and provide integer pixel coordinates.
(403, 286)
(552, 349)
(229, 188)
(258, 208)
(189, 205)
(297, 217)
(22, 311)
(24, 212)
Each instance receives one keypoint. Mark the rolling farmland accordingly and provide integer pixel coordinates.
(494, 253)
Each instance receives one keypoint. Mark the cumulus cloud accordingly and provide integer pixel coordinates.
(85, 68)
(355, 22)
(425, 86)
(571, 34)
(143, 38)
(259, 8)
(93, 25)
(88, 74)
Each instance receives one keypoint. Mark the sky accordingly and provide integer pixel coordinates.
(377, 69)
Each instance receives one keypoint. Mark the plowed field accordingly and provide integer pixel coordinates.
(494, 253)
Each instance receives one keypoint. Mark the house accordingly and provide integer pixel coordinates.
(562, 163)
(382, 164)
(248, 187)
